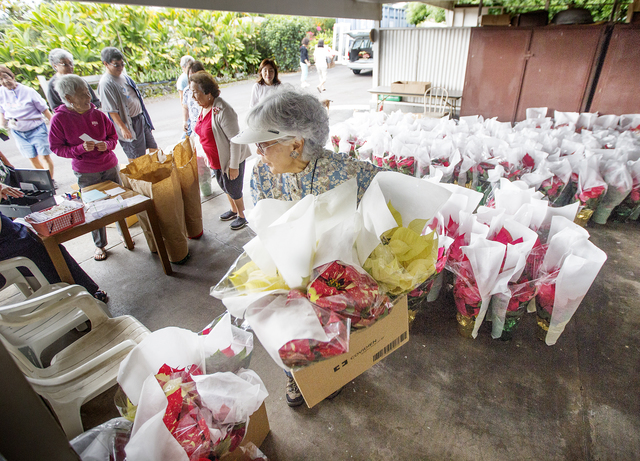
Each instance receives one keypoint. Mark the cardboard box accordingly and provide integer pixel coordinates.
(402, 86)
(366, 348)
(256, 433)
(495, 20)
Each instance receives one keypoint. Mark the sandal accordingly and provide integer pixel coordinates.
(100, 254)
(101, 296)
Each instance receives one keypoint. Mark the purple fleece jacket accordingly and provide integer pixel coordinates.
(64, 139)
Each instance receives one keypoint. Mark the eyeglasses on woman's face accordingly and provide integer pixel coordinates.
(117, 64)
(263, 146)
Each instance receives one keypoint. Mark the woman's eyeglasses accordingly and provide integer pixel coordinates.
(262, 146)
(117, 65)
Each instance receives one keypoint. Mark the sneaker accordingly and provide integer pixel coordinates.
(228, 215)
(238, 224)
(294, 396)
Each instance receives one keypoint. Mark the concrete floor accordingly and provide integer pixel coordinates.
(438, 397)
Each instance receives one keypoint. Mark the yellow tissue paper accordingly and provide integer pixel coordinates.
(404, 259)
(249, 278)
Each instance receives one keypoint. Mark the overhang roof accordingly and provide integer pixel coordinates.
(355, 9)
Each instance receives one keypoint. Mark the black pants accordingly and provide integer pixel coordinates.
(16, 240)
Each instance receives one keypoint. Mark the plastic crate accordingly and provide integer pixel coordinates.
(58, 223)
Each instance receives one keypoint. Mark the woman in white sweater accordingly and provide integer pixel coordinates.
(267, 83)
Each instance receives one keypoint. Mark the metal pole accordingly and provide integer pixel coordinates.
(479, 12)
(613, 11)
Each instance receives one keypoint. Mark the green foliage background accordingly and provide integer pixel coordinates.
(417, 13)
(152, 39)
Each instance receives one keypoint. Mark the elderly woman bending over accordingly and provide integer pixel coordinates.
(92, 161)
(216, 125)
(290, 130)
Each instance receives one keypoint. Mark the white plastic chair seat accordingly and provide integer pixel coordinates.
(85, 368)
(35, 337)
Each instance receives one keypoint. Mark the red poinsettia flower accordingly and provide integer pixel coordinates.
(193, 434)
(593, 192)
(546, 296)
(343, 289)
(528, 161)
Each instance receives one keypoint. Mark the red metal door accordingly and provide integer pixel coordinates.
(494, 72)
(559, 68)
(617, 89)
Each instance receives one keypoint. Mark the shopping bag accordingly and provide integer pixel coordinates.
(157, 178)
(186, 163)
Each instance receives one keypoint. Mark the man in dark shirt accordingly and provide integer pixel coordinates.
(304, 62)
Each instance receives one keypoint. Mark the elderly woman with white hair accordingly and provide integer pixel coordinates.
(62, 62)
(290, 130)
(93, 160)
(183, 81)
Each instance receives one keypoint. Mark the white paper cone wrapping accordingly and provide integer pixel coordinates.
(275, 323)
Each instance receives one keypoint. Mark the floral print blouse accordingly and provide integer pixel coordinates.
(323, 173)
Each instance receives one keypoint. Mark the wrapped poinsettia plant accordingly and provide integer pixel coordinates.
(201, 433)
(345, 290)
(629, 209)
(523, 291)
(355, 143)
(335, 142)
(406, 165)
(467, 297)
(303, 351)
(591, 189)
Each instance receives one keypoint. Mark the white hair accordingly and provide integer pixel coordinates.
(296, 113)
(69, 84)
(57, 55)
(186, 60)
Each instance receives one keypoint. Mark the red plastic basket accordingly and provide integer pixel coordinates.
(59, 223)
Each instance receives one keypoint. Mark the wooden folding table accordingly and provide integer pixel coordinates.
(146, 206)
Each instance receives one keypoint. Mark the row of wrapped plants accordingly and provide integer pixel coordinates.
(152, 39)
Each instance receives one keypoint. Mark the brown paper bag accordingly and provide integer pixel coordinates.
(151, 177)
(187, 165)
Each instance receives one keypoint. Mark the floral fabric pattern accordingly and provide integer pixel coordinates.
(192, 105)
(324, 173)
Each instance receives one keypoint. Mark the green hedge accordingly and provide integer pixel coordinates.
(152, 40)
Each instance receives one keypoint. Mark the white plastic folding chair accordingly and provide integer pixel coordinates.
(35, 337)
(85, 368)
(435, 102)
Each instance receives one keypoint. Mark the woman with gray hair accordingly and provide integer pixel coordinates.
(87, 136)
(62, 62)
(183, 81)
(290, 129)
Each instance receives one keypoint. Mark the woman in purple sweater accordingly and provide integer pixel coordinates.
(87, 136)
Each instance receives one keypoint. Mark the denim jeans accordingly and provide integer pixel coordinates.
(305, 72)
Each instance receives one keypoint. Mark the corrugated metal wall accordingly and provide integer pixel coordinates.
(436, 55)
